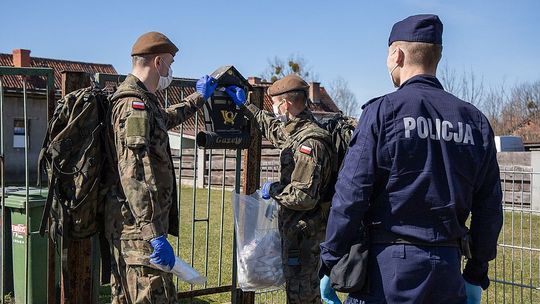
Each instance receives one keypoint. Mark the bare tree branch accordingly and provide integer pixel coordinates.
(449, 80)
(472, 88)
(294, 64)
(344, 97)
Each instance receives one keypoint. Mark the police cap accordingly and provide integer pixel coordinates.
(418, 28)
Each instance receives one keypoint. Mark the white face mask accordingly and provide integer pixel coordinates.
(392, 76)
(281, 117)
(164, 82)
(391, 72)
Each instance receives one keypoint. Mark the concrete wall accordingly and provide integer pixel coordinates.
(511, 159)
(37, 128)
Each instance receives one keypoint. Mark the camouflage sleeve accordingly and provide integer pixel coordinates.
(178, 113)
(303, 192)
(131, 136)
(268, 124)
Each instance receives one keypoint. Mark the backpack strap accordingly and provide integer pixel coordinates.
(47, 209)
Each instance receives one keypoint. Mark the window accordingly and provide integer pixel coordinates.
(18, 133)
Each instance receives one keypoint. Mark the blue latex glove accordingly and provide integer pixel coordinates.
(237, 94)
(265, 190)
(474, 293)
(206, 86)
(328, 294)
(163, 253)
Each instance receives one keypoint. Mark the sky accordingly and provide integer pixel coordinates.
(498, 40)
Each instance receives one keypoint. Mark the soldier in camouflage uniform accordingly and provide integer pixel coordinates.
(306, 168)
(142, 208)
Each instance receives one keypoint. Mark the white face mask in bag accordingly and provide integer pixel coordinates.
(183, 271)
(164, 82)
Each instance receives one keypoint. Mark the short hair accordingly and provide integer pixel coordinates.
(142, 60)
(421, 53)
(294, 96)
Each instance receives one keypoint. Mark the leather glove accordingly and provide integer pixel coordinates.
(206, 86)
(328, 294)
(163, 252)
(265, 190)
(237, 94)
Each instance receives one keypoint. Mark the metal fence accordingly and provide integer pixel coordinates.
(515, 273)
(18, 234)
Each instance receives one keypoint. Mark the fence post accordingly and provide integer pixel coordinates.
(535, 180)
(80, 252)
(51, 251)
(251, 169)
(201, 167)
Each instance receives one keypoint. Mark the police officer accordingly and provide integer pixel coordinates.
(306, 166)
(420, 161)
(142, 207)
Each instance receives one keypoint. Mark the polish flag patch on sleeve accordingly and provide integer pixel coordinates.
(305, 150)
(139, 105)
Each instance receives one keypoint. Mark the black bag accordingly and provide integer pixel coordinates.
(349, 275)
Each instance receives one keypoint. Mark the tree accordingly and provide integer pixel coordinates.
(508, 109)
(449, 79)
(295, 64)
(344, 97)
(520, 108)
(467, 86)
(472, 88)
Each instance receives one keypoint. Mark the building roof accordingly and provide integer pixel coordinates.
(528, 128)
(36, 83)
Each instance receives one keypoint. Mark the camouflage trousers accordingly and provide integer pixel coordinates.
(300, 266)
(131, 281)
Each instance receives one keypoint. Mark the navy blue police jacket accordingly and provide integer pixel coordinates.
(418, 164)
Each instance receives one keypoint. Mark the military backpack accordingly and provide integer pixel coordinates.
(77, 158)
(341, 128)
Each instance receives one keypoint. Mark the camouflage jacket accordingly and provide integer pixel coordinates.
(305, 167)
(147, 184)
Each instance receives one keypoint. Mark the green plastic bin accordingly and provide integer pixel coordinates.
(30, 286)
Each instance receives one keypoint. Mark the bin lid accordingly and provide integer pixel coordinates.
(17, 199)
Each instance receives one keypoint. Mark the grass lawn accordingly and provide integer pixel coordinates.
(513, 264)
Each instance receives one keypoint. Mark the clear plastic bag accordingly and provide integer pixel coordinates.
(258, 242)
(183, 271)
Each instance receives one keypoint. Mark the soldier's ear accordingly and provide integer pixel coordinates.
(157, 61)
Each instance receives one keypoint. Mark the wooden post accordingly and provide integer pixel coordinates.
(251, 168)
(79, 252)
